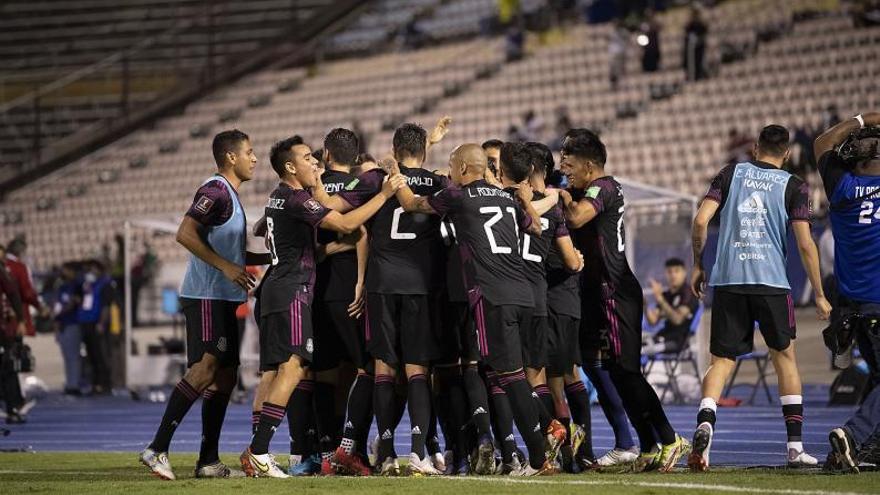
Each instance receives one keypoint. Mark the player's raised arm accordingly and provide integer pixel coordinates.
(525, 194)
(351, 221)
(577, 213)
(334, 202)
(546, 203)
(835, 135)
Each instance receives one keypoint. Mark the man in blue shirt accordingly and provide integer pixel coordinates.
(851, 176)
(758, 201)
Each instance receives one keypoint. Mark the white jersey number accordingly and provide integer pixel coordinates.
(270, 240)
(868, 214)
(395, 226)
(545, 224)
(497, 214)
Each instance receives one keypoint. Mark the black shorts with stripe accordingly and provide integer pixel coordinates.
(735, 314)
(403, 328)
(284, 334)
(498, 334)
(211, 327)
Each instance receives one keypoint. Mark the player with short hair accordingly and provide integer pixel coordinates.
(287, 291)
(214, 231)
(487, 220)
(403, 281)
(676, 307)
(758, 202)
(610, 289)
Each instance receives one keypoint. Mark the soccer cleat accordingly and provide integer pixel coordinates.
(217, 470)
(843, 450)
(618, 457)
(421, 467)
(672, 453)
(390, 467)
(527, 470)
(555, 436)
(515, 464)
(449, 462)
(698, 460)
(577, 435)
(463, 468)
(647, 461)
(307, 466)
(584, 463)
(260, 466)
(373, 451)
(485, 456)
(800, 459)
(350, 463)
(438, 460)
(328, 468)
(158, 463)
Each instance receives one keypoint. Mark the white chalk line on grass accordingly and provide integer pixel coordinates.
(653, 484)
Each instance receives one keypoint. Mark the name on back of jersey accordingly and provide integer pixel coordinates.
(276, 203)
(488, 191)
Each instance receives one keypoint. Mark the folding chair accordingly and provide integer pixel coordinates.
(761, 360)
(673, 361)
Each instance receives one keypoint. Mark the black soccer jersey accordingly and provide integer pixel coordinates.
(455, 289)
(336, 276)
(536, 248)
(405, 248)
(603, 240)
(292, 217)
(487, 223)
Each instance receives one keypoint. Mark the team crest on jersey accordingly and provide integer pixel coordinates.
(204, 204)
(593, 192)
(312, 206)
(351, 185)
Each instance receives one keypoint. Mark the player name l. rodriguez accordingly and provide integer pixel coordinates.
(488, 191)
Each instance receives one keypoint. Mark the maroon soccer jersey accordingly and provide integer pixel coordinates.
(211, 205)
(487, 223)
(406, 249)
(292, 218)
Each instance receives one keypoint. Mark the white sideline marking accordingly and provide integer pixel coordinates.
(649, 484)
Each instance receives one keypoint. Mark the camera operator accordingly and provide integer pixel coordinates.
(849, 163)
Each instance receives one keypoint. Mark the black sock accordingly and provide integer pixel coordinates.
(383, 404)
(419, 402)
(706, 415)
(643, 408)
(502, 419)
(270, 417)
(458, 418)
(524, 414)
(545, 404)
(325, 416)
(255, 421)
(612, 405)
(181, 400)
(359, 411)
(299, 417)
(579, 405)
(794, 421)
(475, 387)
(214, 405)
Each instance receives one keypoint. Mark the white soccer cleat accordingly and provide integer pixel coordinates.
(698, 460)
(439, 461)
(158, 463)
(260, 466)
(618, 457)
(390, 467)
(799, 459)
(421, 467)
(373, 451)
(217, 470)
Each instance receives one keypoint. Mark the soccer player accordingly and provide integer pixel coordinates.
(487, 221)
(851, 183)
(758, 201)
(610, 282)
(676, 306)
(216, 282)
(403, 287)
(286, 336)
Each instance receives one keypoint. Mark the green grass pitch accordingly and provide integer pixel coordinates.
(105, 473)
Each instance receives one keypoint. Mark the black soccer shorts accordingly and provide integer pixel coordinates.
(403, 328)
(533, 337)
(211, 327)
(563, 346)
(459, 339)
(498, 334)
(733, 322)
(338, 337)
(284, 334)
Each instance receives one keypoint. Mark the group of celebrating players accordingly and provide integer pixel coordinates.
(468, 300)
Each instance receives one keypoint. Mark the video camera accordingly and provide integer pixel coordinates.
(853, 150)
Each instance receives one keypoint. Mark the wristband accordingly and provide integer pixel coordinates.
(861, 121)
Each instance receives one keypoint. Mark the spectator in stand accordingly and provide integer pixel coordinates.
(514, 43)
(68, 334)
(617, 46)
(93, 316)
(12, 329)
(649, 39)
(534, 126)
(695, 33)
(22, 275)
(739, 147)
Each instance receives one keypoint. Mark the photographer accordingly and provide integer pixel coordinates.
(849, 163)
